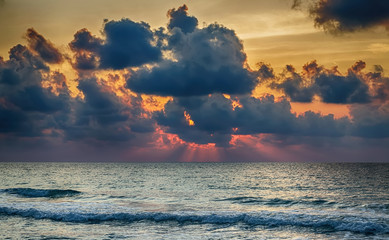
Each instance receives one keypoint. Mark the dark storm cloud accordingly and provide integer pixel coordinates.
(265, 71)
(86, 47)
(207, 60)
(26, 107)
(263, 116)
(12, 120)
(85, 61)
(213, 118)
(317, 125)
(94, 124)
(339, 89)
(330, 85)
(36, 98)
(179, 18)
(293, 87)
(22, 69)
(84, 40)
(103, 107)
(216, 119)
(30, 110)
(379, 84)
(370, 121)
(9, 77)
(126, 44)
(21, 57)
(43, 47)
(338, 16)
(102, 116)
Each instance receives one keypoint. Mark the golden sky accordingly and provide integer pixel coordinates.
(303, 89)
(272, 31)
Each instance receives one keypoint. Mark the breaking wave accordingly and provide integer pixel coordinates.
(264, 218)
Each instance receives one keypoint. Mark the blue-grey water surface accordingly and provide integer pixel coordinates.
(194, 201)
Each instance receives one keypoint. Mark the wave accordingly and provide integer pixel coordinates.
(274, 201)
(242, 200)
(271, 219)
(36, 193)
(376, 206)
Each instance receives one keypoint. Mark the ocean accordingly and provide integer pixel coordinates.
(194, 201)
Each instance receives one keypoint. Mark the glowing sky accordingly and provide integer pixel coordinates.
(197, 80)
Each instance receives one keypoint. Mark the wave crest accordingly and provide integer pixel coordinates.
(271, 219)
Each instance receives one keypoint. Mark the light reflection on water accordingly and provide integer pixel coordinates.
(232, 200)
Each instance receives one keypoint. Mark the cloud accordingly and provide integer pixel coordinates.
(337, 16)
(43, 47)
(216, 118)
(27, 108)
(84, 40)
(212, 116)
(330, 85)
(126, 44)
(207, 60)
(21, 56)
(104, 107)
(293, 87)
(12, 120)
(102, 116)
(21, 70)
(263, 115)
(314, 124)
(204, 71)
(370, 121)
(86, 48)
(265, 71)
(179, 18)
(36, 98)
(98, 117)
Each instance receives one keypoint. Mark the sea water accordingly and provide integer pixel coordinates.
(194, 201)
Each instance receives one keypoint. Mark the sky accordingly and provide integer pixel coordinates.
(194, 81)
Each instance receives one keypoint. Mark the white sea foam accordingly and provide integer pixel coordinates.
(264, 218)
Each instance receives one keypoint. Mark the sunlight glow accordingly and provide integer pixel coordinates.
(188, 119)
